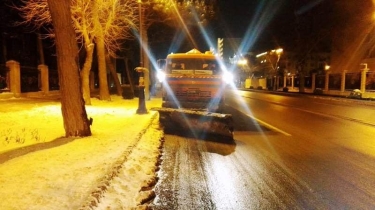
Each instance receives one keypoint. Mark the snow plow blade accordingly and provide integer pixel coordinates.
(196, 121)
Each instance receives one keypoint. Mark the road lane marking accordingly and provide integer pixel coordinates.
(264, 123)
(268, 125)
(334, 116)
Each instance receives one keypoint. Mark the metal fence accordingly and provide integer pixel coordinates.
(30, 79)
(352, 81)
(370, 81)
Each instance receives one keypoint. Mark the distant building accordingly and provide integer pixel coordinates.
(314, 62)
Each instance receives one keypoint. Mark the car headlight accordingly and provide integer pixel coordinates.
(227, 77)
(161, 76)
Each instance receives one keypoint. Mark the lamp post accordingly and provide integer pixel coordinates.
(363, 77)
(141, 53)
(141, 90)
(278, 52)
(143, 48)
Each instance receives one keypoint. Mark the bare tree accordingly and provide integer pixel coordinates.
(105, 23)
(111, 18)
(312, 33)
(268, 64)
(73, 109)
(81, 16)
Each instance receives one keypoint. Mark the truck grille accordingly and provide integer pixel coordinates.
(192, 93)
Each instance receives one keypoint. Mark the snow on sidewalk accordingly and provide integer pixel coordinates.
(40, 169)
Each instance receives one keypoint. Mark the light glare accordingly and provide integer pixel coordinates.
(160, 75)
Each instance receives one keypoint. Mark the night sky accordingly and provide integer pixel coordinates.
(261, 24)
(257, 22)
(266, 23)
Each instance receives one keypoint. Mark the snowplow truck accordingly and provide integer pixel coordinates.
(193, 86)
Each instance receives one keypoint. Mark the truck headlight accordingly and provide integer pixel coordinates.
(161, 76)
(227, 77)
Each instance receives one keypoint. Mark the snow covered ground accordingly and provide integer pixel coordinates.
(40, 169)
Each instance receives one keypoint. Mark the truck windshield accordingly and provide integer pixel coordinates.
(193, 66)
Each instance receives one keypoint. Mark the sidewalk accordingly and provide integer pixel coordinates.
(368, 95)
(40, 169)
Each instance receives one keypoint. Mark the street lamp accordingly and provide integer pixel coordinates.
(272, 57)
(141, 90)
(364, 66)
(242, 62)
(261, 54)
(141, 59)
(278, 52)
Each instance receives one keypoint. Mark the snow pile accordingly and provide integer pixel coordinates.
(134, 173)
(40, 169)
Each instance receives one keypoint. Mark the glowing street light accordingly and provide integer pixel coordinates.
(242, 62)
(279, 51)
(261, 54)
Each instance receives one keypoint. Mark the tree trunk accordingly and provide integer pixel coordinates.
(275, 82)
(129, 75)
(103, 83)
(40, 49)
(302, 82)
(146, 60)
(114, 74)
(72, 104)
(85, 73)
(100, 50)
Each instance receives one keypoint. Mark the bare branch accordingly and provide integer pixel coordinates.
(116, 18)
(35, 12)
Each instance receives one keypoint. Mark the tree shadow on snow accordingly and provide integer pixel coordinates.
(33, 148)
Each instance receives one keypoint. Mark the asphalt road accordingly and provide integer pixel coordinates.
(289, 151)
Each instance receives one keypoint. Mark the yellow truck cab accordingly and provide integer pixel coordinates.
(194, 80)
